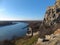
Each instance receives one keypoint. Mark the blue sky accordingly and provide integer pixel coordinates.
(24, 9)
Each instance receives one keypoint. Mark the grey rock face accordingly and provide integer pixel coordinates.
(52, 15)
(51, 20)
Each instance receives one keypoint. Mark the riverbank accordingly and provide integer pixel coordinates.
(27, 41)
(21, 41)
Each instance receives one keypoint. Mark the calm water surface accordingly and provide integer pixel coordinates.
(7, 32)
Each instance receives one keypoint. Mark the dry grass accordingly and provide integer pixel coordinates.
(29, 41)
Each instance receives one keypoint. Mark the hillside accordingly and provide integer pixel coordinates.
(51, 20)
(49, 29)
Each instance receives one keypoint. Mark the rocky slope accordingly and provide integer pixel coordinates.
(50, 40)
(51, 20)
(50, 27)
(52, 15)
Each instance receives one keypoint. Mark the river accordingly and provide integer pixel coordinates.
(10, 31)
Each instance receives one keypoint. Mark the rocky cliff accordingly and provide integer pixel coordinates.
(50, 27)
(52, 15)
(51, 20)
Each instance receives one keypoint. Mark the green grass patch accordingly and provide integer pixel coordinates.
(29, 41)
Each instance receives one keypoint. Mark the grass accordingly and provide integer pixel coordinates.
(29, 41)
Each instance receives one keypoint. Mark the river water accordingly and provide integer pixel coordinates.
(10, 31)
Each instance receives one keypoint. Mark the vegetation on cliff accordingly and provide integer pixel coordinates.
(26, 41)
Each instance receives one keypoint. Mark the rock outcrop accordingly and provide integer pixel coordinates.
(51, 20)
(53, 40)
(52, 15)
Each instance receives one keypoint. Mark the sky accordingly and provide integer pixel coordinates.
(24, 9)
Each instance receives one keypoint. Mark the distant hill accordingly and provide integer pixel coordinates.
(3, 23)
